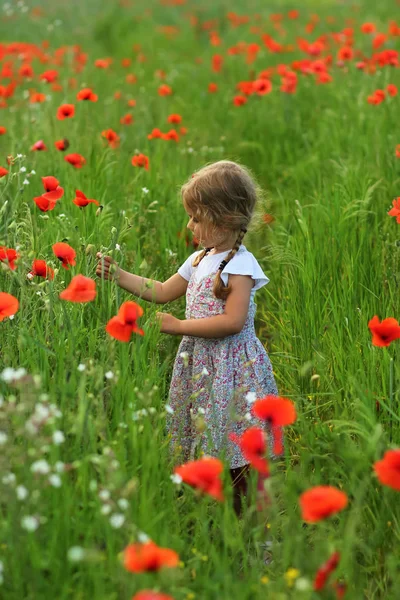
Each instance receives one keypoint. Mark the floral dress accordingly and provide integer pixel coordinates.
(211, 380)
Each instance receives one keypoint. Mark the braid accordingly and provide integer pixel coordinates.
(219, 289)
(200, 257)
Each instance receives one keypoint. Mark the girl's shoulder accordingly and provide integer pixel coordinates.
(187, 268)
(245, 263)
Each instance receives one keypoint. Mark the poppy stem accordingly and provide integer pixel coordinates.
(390, 394)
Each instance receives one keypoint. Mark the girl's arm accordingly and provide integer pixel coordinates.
(148, 289)
(219, 326)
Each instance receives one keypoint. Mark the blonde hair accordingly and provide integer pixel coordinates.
(224, 194)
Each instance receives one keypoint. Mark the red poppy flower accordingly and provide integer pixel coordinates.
(171, 135)
(368, 27)
(174, 118)
(150, 595)
(65, 111)
(81, 289)
(392, 89)
(39, 145)
(384, 332)
(49, 76)
(3, 172)
(253, 446)
(398, 155)
(164, 90)
(46, 202)
(141, 160)
(324, 77)
(340, 588)
(8, 305)
(277, 412)
(65, 253)
(3, 130)
(62, 144)
(139, 558)
(212, 88)
(81, 200)
(156, 133)
(103, 63)
(388, 469)
(262, 86)
(26, 71)
(9, 255)
(76, 160)
(40, 269)
(124, 324)
(131, 102)
(321, 502)
(203, 474)
(345, 53)
(87, 94)
(325, 570)
(112, 137)
(37, 98)
(239, 100)
(126, 119)
(216, 63)
(395, 211)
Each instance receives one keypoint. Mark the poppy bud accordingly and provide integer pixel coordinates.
(200, 424)
(98, 211)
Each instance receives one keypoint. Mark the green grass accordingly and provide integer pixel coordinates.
(326, 160)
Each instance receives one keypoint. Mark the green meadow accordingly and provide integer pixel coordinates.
(84, 455)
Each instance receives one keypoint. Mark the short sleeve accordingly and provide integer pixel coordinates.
(244, 263)
(187, 268)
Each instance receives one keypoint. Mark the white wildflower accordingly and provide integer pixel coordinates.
(117, 247)
(25, 181)
(55, 480)
(29, 523)
(109, 375)
(247, 416)
(303, 584)
(3, 438)
(59, 466)
(9, 374)
(40, 466)
(9, 479)
(104, 495)
(33, 172)
(22, 170)
(81, 367)
(58, 437)
(251, 397)
(175, 478)
(145, 190)
(22, 492)
(123, 503)
(76, 554)
(117, 520)
(105, 509)
(143, 537)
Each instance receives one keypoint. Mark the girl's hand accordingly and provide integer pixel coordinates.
(168, 323)
(107, 268)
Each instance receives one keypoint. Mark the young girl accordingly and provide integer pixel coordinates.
(221, 365)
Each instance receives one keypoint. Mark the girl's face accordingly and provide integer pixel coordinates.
(205, 233)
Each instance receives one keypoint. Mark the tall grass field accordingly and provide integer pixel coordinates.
(123, 101)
